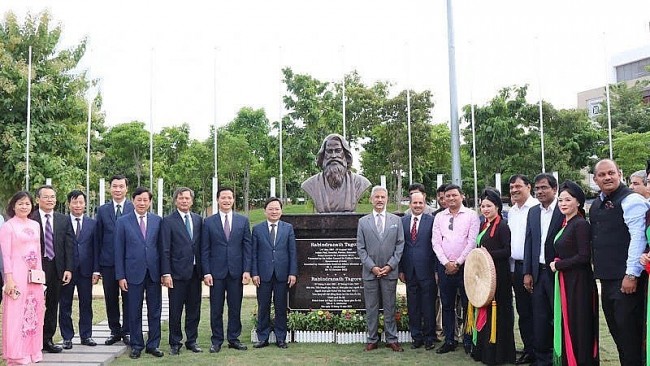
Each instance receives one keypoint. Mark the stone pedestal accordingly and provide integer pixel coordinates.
(329, 269)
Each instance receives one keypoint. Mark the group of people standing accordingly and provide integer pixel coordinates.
(545, 250)
(46, 255)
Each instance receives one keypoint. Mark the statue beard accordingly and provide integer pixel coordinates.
(335, 173)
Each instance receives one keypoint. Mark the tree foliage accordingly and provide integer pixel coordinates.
(58, 106)
(628, 110)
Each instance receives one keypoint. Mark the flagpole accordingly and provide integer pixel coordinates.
(215, 183)
(541, 114)
(343, 96)
(151, 122)
(29, 116)
(90, 106)
(453, 99)
(280, 124)
(609, 108)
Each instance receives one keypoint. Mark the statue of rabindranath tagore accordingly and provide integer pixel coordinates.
(336, 188)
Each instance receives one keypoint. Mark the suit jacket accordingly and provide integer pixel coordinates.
(134, 255)
(418, 259)
(533, 245)
(279, 258)
(63, 241)
(379, 250)
(84, 248)
(179, 251)
(221, 257)
(105, 253)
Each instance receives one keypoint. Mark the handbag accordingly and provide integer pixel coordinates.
(36, 276)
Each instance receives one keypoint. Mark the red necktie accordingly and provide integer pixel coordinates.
(414, 230)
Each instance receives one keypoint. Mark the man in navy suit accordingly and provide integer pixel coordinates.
(137, 270)
(226, 260)
(181, 268)
(417, 270)
(543, 223)
(274, 269)
(107, 215)
(83, 280)
(57, 245)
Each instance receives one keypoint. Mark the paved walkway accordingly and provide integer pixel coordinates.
(101, 354)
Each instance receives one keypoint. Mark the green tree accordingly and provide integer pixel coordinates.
(630, 151)
(126, 148)
(628, 110)
(58, 106)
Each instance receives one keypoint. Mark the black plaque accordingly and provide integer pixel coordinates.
(330, 275)
(329, 269)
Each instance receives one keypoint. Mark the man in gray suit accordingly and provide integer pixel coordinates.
(380, 242)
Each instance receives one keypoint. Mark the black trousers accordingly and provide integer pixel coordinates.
(185, 294)
(53, 283)
(112, 295)
(524, 304)
(624, 316)
(542, 298)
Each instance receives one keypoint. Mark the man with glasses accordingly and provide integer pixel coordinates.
(454, 236)
(618, 240)
(543, 223)
(521, 202)
(57, 246)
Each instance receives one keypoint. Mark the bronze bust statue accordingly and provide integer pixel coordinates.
(336, 188)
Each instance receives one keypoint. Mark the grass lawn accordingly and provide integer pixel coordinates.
(317, 354)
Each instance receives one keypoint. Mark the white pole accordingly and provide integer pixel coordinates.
(102, 191)
(29, 116)
(497, 181)
(453, 99)
(541, 115)
(48, 181)
(343, 97)
(160, 197)
(151, 124)
(90, 107)
(408, 122)
(439, 180)
(280, 123)
(382, 180)
(214, 114)
(215, 188)
(272, 188)
(609, 108)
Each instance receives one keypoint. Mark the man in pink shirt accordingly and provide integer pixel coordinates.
(454, 236)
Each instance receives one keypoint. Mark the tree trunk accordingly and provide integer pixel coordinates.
(247, 181)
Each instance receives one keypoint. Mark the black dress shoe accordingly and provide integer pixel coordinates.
(429, 346)
(261, 344)
(468, 348)
(282, 344)
(155, 352)
(447, 347)
(237, 346)
(194, 348)
(88, 342)
(416, 344)
(112, 339)
(525, 358)
(175, 350)
(50, 347)
(134, 354)
(67, 344)
(126, 339)
(215, 349)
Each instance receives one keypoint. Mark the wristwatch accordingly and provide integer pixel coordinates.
(630, 277)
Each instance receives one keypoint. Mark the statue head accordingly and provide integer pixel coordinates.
(335, 158)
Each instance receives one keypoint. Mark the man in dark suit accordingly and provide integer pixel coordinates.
(137, 270)
(380, 243)
(417, 269)
(543, 223)
(274, 269)
(226, 260)
(181, 268)
(107, 215)
(85, 244)
(57, 244)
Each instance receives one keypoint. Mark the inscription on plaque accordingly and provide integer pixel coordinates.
(329, 275)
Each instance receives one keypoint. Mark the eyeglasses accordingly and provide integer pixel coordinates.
(451, 223)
